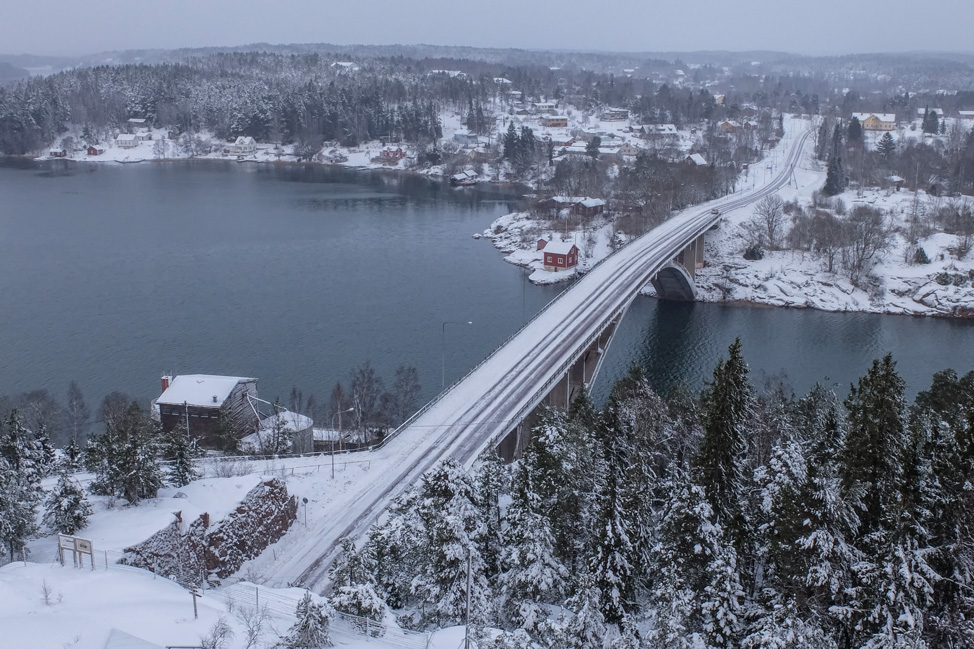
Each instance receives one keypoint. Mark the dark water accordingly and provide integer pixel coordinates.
(111, 274)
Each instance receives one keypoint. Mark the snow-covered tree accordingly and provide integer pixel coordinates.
(582, 625)
(452, 533)
(66, 509)
(697, 595)
(180, 450)
(395, 549)
(125, 457)
(719, 466)
(532, 574)
(18, 502)
(311, 629)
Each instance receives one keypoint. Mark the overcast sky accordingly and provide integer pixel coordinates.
(809, 27)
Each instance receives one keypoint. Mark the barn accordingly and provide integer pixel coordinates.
(559, 255)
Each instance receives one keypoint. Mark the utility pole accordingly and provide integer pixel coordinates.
(186, 412)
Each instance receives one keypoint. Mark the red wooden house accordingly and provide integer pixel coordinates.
(559, 255)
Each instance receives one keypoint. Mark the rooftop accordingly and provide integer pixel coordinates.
(204, 390)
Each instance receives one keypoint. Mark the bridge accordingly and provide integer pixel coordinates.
(544, 363)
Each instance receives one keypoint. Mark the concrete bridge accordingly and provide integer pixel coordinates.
(545, 363)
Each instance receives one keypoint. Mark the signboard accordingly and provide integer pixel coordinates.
(77, 547)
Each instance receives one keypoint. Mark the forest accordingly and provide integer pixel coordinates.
(732, 518)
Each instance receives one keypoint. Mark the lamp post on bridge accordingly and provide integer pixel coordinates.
(443, 349)
(337, 432)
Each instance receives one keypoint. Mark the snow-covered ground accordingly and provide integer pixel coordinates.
(781, 278)
(790, 278)
(50, 606)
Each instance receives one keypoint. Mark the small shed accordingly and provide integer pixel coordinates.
(58, 153)
(94, 150)
(589, 207)
(560, 255)
(696, 160)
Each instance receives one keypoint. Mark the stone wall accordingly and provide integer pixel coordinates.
(190, 553)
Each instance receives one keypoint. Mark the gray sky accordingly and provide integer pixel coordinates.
(810, 27)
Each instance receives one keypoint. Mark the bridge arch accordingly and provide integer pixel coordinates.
(674, 282)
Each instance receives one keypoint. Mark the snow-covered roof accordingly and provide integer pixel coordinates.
(697, 159)
(922, 111)
(883, 117)
(293, 422)
(966, 113)
(502, 81)
(244, 139)
(136, 120)
(559, 247)
(591, 202)
(126, 137)
(205, 390)
(895, 179)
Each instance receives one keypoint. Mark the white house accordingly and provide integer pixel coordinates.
(126, 140)
(244, 145)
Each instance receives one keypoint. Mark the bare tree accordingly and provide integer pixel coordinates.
(366, 387)
(405, 391)
(868, 235)
(770, 216)
(826, 232)
(76, 415)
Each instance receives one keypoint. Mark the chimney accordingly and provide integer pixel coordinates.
(165, 382)
(215, 400)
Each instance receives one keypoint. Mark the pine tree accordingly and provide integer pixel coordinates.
(396, 551)
(697, 593)
(73, 457)
(25, 454)
(834, 177)
(886, 146)
(180, 450)
(67, 508)
(855, 130)
(311, 629)
(719, 464)
(490, 479)
(511, 142)
(453, 532)
(227, 436)
(583, 626)
(873, 447)
(532, 575)
(125, 457)
(353, 585)
(18, 501)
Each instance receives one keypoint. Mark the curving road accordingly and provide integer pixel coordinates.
(489, 401)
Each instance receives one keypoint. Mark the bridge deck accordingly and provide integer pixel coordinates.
(481, 408)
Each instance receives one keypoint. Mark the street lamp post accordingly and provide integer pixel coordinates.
(340, 412)
(443, 350)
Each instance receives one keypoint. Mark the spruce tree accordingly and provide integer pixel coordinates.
(453, 531)
(125, 457)
(67, 508)
(873, 448)
(532, 575)
(834, 177)
(719, 464)
(180, 450)
(18, 501)
(886, 146)
(311, 629)
(855, 130)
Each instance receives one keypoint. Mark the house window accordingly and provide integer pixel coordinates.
(561, 260)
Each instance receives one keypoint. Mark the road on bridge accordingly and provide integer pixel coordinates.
(488, 402)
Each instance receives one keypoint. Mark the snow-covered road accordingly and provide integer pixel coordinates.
(485, 405)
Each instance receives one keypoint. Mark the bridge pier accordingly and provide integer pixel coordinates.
(675, 280)
(564, 389)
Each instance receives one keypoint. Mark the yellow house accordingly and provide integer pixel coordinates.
(877, 121)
